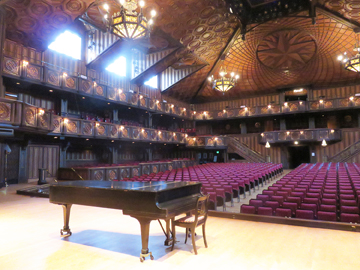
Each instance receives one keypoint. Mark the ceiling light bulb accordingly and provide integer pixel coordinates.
(105, 16)
(210, 79)
(142, 4)
(340, 57)
(232, 74)
(122, 2)
(222, 74)
(151, 21)
(106, 6)
(153, 13)
(237, 77)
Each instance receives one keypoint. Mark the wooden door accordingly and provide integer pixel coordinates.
(42, 156)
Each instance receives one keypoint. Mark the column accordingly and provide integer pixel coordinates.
(2, 41)
(282, 124)
(311, 122)
(116, 116)
(243, 128)
(64, 107)
(150, 122)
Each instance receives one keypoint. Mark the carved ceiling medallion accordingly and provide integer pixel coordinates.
(286, 49)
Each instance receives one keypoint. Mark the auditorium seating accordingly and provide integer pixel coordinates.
(226, 180)
(321, 191)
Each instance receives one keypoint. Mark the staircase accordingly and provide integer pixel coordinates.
(235, 146)
(346, 154)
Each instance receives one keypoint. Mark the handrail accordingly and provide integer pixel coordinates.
(248, 152)
(344, 151)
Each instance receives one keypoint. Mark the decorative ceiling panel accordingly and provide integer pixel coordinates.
(286, 53)
(35, 22)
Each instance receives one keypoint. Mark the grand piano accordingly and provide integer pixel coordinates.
(145, 201)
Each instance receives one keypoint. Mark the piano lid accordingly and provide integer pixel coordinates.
(124, 185)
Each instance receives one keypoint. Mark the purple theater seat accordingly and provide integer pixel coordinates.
(309, 206)
(327, 208)
(328, 216)
(348, 202)
(298, 194)
(268, 192)
(312, 200)
(312, 195)
(256, 203)
(349, 209)
(353, 218)
(265, 211)
(283, 212)
(282, 193)
(292, 206)
(279, 199)
(329, 196)
(347, 197)
(328, 201)
(304, 214)
(272, 204)
(247, 209)
(294, 200)
(263, 197)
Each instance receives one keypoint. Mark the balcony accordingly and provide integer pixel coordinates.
(301, 136)
(60, 80)
(209, 142)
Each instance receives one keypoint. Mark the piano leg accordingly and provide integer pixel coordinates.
(66, 211)
(145, 229)
(169, 239)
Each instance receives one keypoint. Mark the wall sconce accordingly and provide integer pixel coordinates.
(285, 104)
(332, 131)
(186, 135)
(262, 134)
(184, 109)
(66, 121)
(296, 142)
(97, 124)
(41, 111)
(121, 127)
(205, 113)
(224, 111)
(64, 74)
(246, 109)
(216, 138)
(321, 101)
(300, 102)
(157, 102)
(269, 106)
(141, 96)
(301, 132)
(323, 143)
(288, 132)
(120, 91)
(142, 130)
(267, 145)
(172, 106)
(194, 139)
(174, 134)
(25, 63)
(351, 98)
(159, 132)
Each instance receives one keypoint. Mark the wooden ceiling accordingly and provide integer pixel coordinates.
(280, 53)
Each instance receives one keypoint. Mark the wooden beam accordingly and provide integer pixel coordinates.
(338, 17)
(232, 39)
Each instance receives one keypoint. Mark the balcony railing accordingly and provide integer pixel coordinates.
(206, 141)
(276, 109)
(305, 135)
(93, 129)
(62, 81)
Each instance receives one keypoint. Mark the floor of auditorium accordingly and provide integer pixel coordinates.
(106, 239)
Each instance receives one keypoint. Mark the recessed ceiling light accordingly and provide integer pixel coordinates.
(87, 139)
(17, 83)
(109, 103)
(83, 97)
(51, 90)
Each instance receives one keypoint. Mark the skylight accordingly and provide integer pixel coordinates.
(118, 66)
(67, 43)
(153, 82)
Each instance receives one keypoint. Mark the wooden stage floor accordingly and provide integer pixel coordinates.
(106, 239)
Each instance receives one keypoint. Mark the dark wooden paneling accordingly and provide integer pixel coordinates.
(42, 156)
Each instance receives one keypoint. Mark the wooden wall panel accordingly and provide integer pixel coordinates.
(62, 62)
(42, 156)
(150, 92)
(43, 103)
(101, 41)
(171, 76)
(17, 50)
(336, 92)
(251, 140)
(349, 136)
(249, 102)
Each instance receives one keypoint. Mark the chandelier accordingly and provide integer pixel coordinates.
(224, 84)
(128, 23)
(352, 63)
